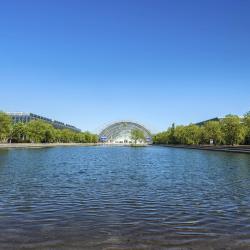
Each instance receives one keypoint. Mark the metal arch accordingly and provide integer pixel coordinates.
(113, 130)
(137, 125)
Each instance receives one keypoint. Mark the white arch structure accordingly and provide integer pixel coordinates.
(120, 132)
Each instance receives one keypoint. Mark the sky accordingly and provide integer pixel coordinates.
(89, 63)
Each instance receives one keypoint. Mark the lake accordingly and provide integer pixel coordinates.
(124, 198)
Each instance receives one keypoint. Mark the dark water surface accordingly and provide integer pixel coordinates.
(124, 198)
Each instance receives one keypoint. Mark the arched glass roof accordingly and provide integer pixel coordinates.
(121, 131)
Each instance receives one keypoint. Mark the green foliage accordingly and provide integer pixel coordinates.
(5, 126)
(190, 134)
(246, 123)
(162, 138)
(18, 132)
(233, 129)
(230, 130)
(66, 136)
(179, 135)
(212, 130)
(39, 131)
(137, 134)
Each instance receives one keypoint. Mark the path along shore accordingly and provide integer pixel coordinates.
(44, 145)
(223, 148)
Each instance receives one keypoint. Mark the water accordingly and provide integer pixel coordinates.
(124, 198)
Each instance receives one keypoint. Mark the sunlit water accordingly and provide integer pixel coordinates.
(124, 198)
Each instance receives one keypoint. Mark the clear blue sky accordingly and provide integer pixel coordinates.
(157, 62)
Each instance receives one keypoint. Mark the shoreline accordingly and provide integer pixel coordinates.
(71, 144)
(244, 149)
(220, 148)
(44, 145)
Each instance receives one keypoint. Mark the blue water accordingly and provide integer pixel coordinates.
(124, 198)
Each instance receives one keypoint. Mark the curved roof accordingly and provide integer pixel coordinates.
(123, 129)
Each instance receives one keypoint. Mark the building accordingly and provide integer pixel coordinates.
(26, 117)
(216, 119)
(120, 133)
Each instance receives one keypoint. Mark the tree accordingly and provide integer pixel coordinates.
(40, 131)
(230, 130)
(137, 134)
(246, 122)
(49, 134)
(18, 132)
(171, 134)
(233, 129)
(162, 138)
(192, 134)
(88, 137)
(179, 135)
(5, 126)
(212, 130)
(67, 136)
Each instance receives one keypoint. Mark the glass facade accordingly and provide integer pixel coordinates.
(26, 117)
(120, 132)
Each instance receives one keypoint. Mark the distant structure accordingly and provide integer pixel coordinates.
(120, 133)
(26, 117)
(217, 119)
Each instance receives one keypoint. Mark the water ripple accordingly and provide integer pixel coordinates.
(124, 198)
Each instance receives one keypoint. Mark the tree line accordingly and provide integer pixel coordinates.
(231, 130)
(137, 135)
(38, 131)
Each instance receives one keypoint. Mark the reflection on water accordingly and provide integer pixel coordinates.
(124, 198)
